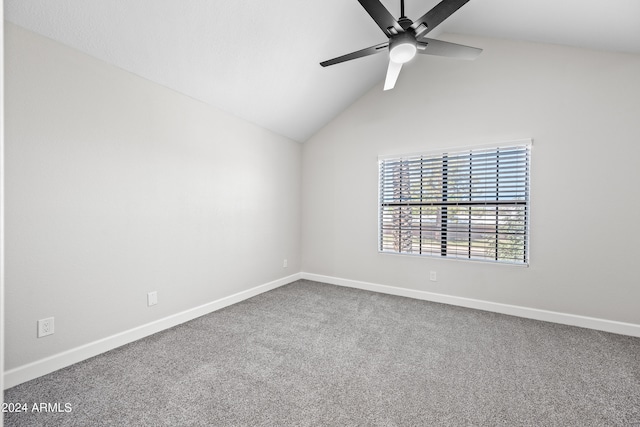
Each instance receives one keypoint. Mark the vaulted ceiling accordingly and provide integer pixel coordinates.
(259, 59)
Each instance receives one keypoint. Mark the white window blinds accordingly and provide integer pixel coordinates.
(471, 204)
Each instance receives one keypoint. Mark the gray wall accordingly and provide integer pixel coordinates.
(116, 186)
(582, 109)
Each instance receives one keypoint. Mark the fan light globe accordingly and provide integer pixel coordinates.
(403, 52)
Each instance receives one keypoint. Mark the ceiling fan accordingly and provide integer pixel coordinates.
(407, 37)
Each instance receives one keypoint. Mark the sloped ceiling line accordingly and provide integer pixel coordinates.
(260, 60)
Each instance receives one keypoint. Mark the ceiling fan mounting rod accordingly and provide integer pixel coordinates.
(404, 22)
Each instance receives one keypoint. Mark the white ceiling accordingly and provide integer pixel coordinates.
(259, 59)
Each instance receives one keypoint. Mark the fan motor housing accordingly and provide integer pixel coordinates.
(405, 22)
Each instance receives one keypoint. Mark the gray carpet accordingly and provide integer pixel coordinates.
(310, 354)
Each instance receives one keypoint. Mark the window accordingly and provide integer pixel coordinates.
(471, 204)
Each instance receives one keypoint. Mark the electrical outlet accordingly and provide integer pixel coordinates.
(45, 327)
(152, 298)
(285, 264)
(432, 276)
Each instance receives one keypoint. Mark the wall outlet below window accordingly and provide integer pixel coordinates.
(432, 276)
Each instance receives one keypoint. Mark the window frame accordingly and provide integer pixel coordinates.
(524, 143)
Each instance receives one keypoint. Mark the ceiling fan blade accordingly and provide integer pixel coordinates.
(392, 75)
(357, 54)
(435, 16)
(381, 15)
(438, 47)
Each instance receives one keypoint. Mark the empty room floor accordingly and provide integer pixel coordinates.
(310, 353)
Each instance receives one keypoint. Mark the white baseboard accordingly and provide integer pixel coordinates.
(50, 364)
(513, 310)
